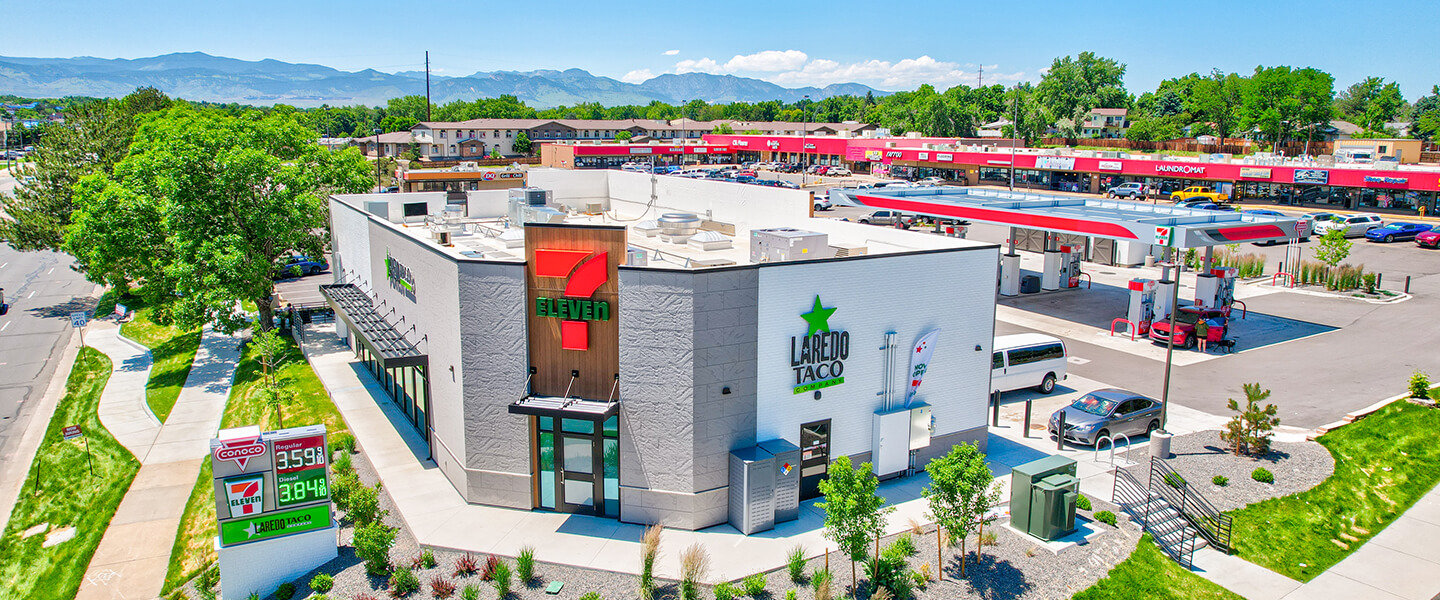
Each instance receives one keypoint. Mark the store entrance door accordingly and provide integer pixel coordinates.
(577, 465)
(814, 457)
(578, 460)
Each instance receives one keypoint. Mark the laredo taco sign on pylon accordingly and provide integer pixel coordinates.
(270, 484)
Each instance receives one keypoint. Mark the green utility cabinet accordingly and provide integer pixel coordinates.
(1042, 497)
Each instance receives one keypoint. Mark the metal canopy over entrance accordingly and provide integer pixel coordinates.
(1161, 225)
(568, 408)
(389, 347)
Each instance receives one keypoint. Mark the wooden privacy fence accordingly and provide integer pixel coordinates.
(1232, 146)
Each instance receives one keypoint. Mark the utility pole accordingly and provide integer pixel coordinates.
(427, 87)
(804, 133)
(1014, 131)
(980, 83)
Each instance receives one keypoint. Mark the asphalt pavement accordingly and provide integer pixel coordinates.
(42, 291)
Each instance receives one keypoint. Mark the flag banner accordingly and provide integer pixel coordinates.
(920, 362)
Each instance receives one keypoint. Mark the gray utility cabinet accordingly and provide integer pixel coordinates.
(764, 486)
(1042, 497)
(786, 243)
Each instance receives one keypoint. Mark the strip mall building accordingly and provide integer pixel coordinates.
(660, 349)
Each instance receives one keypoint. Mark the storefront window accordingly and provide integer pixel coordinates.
(547, 468)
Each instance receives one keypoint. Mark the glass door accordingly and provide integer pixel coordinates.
(814, 457)
(577, 459)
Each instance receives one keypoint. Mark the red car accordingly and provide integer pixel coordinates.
(1428, 239)
(1185, 327)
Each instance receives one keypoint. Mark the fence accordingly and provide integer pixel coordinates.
(1236, 146)
(482, 162)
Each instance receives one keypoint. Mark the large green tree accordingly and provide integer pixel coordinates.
(854, 514)
(1425, 116)
(1370, 103)
(1278, 102)
(1216, 100)
(95, 136)
(203, 206)
(1073, 86)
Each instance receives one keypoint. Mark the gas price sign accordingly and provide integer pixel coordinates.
(300, 476)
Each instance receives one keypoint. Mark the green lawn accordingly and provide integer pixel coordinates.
(69, 495)
(172, 349)
(1383, 464)
(1150, 575)
(194, 547)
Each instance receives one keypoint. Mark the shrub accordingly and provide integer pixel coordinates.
(342, 486)
(591, 596)
(1174, 480)
(363, 505)
(441, 587)
(471, 592)
(1220, 480)
(754, 585)
(502, 578)
(649, 549)
(905, 545)
(487, 572)
(466, 565)
(1369, 281)
(372, 545)
(427, 559)
(822, 586)
(795, 564)
(1082, 502)
(694, 566)
(924, 571)
(286, 591)
(403, 582)
(205, 583)
(1249, 431)
(525, 564)
(791, 595)
(725, 591)
(342, 441)
(889, 571)
(988, 539)
(1262, 475)
(1419, 385)
(1105, 517)
(919, 579)
(322, 582)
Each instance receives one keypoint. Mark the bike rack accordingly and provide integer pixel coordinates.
(1132, 325)
(1112, 448)
(1285, 275)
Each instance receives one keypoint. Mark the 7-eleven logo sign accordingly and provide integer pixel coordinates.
(245, 496)
(1164, 236)
(584, 272)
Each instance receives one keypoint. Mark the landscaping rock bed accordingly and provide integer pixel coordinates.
(1200, 456)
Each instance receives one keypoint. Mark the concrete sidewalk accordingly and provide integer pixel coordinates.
(134, 554)
(122, 409)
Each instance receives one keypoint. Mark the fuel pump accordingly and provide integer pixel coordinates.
(1216, 289)
(1142, 305)
(1070, 265)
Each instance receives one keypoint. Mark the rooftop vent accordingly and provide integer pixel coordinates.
(710, 240)
(648, 228)
(512, 238)
(677, 227)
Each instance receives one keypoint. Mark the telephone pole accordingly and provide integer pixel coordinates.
(981, 82)
(427, 85)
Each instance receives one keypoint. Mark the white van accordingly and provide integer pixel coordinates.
(1027, 360)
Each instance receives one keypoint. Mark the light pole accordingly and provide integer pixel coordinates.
(378, 151)
(804, 134)
(1014, 131)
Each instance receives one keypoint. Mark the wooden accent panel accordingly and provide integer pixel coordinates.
(601, 362)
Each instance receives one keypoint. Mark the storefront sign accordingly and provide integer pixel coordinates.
(1164, 235)
(244, 496)
(944, 157)
(920, 362)
(511, 175)
(1254, 173)
(1111, 165)
(923, 156)
(701, 150)
(1316, 176)
(1181, 169)
(281, 486)
(640, 151)
(818, 357)
(487, 176)
(399, 275)
(1059, 163)
(239, 451)
(740, 142)
(1391, 180)
(894, 154)
(997, 162)
(572, 309)
(772, 144)
(584, 274)
(272, 525)
(874, 155)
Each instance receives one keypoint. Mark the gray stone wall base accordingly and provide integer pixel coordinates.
(680, 510)
(493, 488)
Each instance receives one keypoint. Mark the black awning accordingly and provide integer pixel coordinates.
(355, 308)
(565, 408)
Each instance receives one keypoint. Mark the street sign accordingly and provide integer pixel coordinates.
(71, 432)
(78, 319)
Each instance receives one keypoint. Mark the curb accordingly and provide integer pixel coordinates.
(1397, 298)
(120, 335)
(1352, 417)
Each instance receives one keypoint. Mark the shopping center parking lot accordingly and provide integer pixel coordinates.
(1322, 356)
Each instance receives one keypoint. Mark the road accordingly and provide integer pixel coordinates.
(42, 291)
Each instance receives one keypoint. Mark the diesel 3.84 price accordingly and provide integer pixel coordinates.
(302, 487)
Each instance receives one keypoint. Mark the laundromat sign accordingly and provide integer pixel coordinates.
(818, 357)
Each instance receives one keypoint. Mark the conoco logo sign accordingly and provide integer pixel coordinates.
(1184, 169)
(239, 451)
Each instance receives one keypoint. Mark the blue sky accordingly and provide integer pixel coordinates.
(888, 45)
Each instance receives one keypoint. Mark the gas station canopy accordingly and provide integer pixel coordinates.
(1161, 225)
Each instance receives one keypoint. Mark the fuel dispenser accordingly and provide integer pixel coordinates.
(1070, 265)
(1142, 305)
(1216, 289)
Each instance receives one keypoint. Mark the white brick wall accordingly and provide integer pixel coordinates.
(909, 295)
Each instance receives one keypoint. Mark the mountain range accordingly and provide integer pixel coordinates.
(202, 77)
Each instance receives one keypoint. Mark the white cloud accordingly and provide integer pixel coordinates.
(671, 52)
(768, 60)
(638, 76)
(703, 65)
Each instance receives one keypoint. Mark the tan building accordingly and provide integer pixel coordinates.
(1377, 150)
(465, 177)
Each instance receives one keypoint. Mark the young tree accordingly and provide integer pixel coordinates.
(854, 515)
(1333, 247)
(521, 144)
(272, 349)
(1249, 431)
(203, 206)
(961, 490)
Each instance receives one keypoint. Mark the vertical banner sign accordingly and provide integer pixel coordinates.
(920, 362)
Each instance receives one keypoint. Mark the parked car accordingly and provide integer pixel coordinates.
(1396, 231)
(1199, 191)
(1352, 225)
(1130, 190)
(1185, 321)
(286, 267)
(1027, 360)
(823, 203)
(838, 172)
(1428, 239)
(1106, 412)
(888, 217)
(1316, 217)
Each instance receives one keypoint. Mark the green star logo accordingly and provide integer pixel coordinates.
(818, 317)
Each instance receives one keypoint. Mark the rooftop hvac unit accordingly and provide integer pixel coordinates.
(594, 208)
(441, 237)
(844, 250)
(542, 214)
(533, 196)
(636, 257)
(785, 243)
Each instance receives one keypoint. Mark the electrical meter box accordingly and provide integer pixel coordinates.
(752, 490)
(787, 243)
(787, 478)
(1042, 497)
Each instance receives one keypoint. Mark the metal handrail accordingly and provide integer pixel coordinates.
(1139, 502)
(1214, 525)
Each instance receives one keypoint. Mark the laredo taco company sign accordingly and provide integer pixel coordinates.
(818, 357)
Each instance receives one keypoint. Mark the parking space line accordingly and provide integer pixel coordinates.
(32, 294)
(2, 327)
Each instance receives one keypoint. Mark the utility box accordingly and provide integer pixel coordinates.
(890, 436)
(787, 478)
(1042, 497)
(786, 243)
(752, 490)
